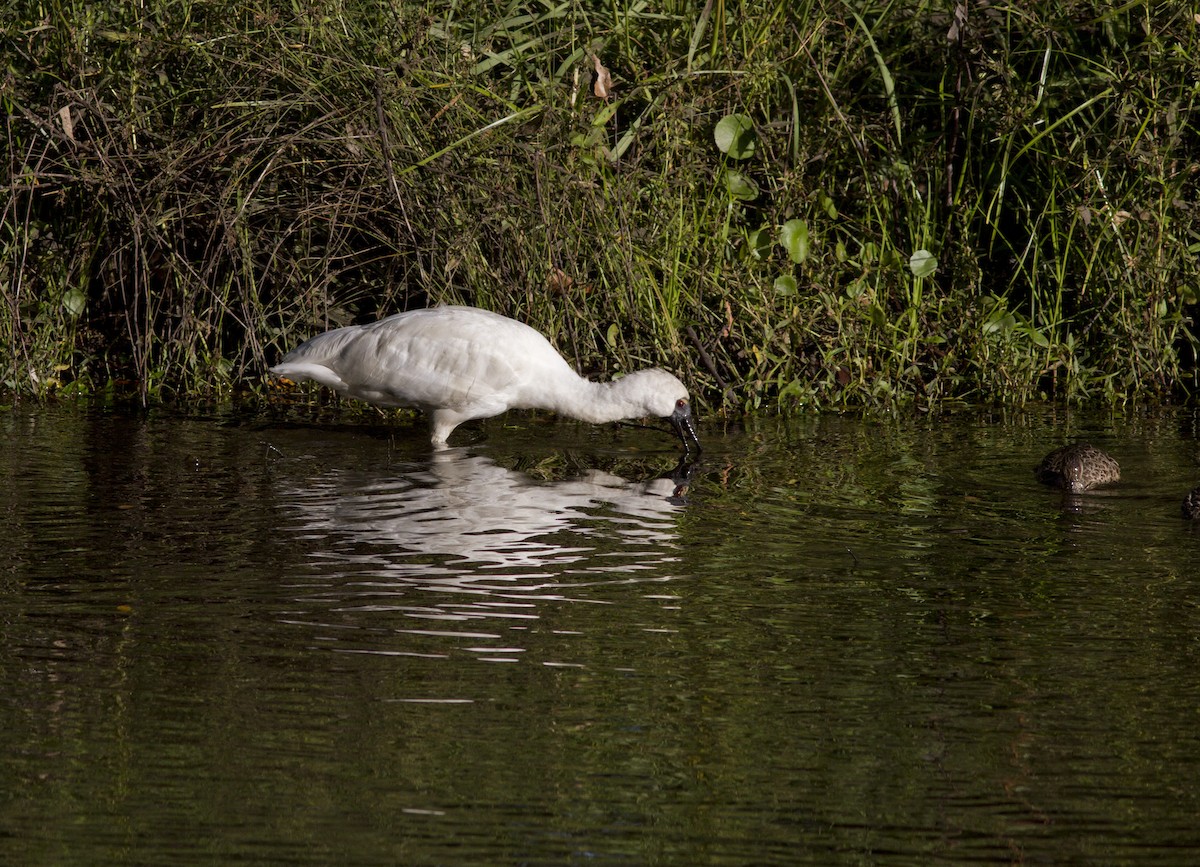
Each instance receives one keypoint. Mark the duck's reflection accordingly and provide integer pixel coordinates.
(463, 520)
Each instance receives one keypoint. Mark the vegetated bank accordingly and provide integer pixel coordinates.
(798, 203)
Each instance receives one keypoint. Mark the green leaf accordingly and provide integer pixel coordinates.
(759, 242)
(734, 135)
(593, 137)
(794, 238)
(74, 302)
(741, 187)
(697, 35)
(605, 114)
(1038, 339)
(828, 207)
(922, 263)
(999, 321)
(785, 285)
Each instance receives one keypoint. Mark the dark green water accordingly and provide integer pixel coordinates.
(228, 641)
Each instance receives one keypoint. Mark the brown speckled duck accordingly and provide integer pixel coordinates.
(1191, 504)
(1077, 468)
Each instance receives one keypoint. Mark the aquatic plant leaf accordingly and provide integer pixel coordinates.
(759, 242)
(742, 188)
(793, 237)
(734, 135)
(922, 263)
(785, 285)
(73, 300)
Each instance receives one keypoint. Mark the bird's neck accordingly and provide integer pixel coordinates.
(594, 402)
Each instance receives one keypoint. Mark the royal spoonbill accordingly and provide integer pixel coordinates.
(1078, 468)
(460, 363)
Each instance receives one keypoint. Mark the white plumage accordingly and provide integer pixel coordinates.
(461, 363)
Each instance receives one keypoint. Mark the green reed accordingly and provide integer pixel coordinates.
(925, 201)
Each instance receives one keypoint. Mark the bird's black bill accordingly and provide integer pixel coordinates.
(681, 420)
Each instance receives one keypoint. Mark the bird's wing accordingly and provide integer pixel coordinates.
(442, 359)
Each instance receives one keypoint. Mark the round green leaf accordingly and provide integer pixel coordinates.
(73, 300)
(922, 263)
(793, 236)
(734, 135)
(740, 187)
(785, 285)
(759, 242)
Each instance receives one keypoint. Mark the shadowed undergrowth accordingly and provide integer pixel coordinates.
(801, 204)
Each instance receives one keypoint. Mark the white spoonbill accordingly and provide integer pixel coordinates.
(460, 363)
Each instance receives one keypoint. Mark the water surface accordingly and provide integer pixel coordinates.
(834, 640)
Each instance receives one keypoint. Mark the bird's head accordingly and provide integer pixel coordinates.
(662, 395)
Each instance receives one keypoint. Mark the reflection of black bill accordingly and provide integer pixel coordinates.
(682, 477)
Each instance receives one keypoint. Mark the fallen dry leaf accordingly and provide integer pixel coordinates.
(559, 281)
(602, 86)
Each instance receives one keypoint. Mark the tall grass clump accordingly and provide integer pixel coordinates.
(803, 203)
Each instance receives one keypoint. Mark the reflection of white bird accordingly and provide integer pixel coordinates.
(469, 510)
(461, 363)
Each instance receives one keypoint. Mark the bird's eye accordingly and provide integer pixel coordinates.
(681, 402)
